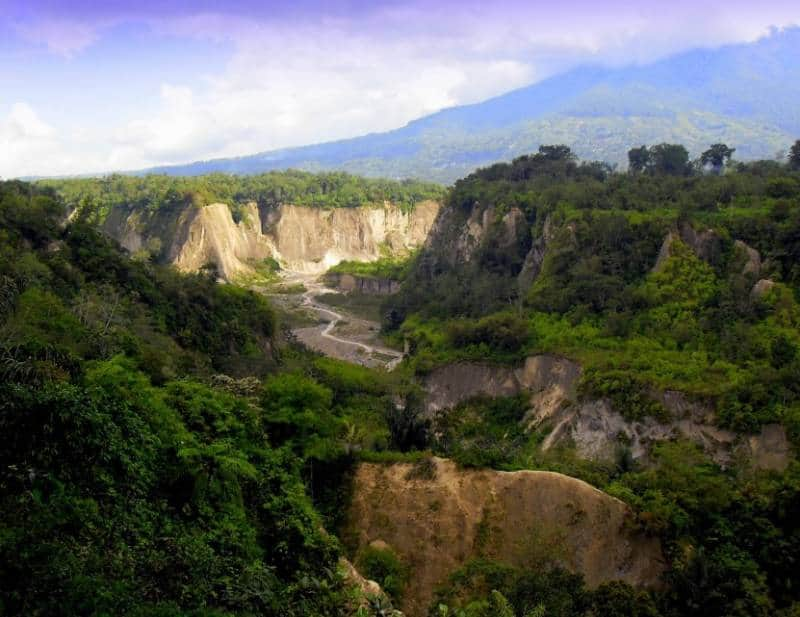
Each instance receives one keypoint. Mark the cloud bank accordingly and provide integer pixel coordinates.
(308, 72)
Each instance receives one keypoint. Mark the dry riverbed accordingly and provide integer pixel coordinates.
(333, 330)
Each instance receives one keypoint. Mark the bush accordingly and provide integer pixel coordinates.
(383, 566)
(503, 333)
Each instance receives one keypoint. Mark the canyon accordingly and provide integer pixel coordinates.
(301, 239)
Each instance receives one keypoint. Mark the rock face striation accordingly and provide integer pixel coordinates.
(593, 426)
(363, 284)
(301, 239)
(438, 519)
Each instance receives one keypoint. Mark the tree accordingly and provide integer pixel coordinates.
(557, 153)
(669, 159)
(717, 156)
(638, 159)
(794, 155)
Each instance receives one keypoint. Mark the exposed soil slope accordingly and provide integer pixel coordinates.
(437, 517)
(593, 426)
(302, 239)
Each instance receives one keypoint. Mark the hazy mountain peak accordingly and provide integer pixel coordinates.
(744, 95)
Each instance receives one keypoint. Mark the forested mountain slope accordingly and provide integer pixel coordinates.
(623, 328)
(163, 454)
(667, 277)
(744, 95)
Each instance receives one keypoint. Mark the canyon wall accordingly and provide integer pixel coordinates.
(302, 239)
(436, 517)
(594, 427)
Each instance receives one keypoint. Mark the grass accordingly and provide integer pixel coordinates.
(362, 305)
(387, 267)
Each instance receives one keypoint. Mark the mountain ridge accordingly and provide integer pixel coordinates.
(741, 94)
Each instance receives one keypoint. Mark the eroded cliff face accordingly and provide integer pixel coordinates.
(592, 426)
(302, 239)
(363, 284)
(312, 240)
(438, 517)
(209, 235)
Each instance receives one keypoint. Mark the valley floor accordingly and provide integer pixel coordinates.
(339, 333)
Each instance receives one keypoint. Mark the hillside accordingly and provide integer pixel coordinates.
(516, 518)
(565, 317)
(245, 227)
(743, 95)
(169, 451)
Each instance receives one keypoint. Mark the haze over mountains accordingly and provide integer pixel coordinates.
(744, 95)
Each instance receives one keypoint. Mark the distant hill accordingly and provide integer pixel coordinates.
(745, 95)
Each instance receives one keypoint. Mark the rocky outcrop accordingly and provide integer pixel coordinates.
(210, 236)
(302, 239)
(550, 379)
(450, 385)
(312, 239)
(367, 590)
(598, 431)
(534, 260)
(362, 284)
(457, 236)
(708, 245)
(770, 449)
(437, 517)
(593, 427)
(750, 258)
(552, 382)
(762, 288)
(473, 232)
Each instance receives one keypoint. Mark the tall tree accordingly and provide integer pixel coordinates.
(638, 159)
(558, 152)
(794, 155)
(717, 156)
(669, 159)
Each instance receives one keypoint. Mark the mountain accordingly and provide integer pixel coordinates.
(744, 95)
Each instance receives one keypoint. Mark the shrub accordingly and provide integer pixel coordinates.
(383, 566)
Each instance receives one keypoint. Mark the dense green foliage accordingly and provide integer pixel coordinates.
(99, 196)
(135, 479)
(485, 588)
(641, 280)
(692, 324)
(161, 457)
(392, 268)
(384, 567)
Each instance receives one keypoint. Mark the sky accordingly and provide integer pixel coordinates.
(94, 86)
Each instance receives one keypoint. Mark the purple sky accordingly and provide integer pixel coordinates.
(89, 86)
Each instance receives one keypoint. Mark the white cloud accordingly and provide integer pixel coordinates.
(63, 37)
(289, 84)
(298, 87)
(24, 140)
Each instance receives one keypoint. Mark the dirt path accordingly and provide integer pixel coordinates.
(358, 342)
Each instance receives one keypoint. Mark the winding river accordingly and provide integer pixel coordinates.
(358, 343)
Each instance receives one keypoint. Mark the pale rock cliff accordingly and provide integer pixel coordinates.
(437, 517)
(312, 239)
(209, 235)
(302, 239)
(762, 288)
(456, 237)
(362, 284)
(708, 245)
(593, 426)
